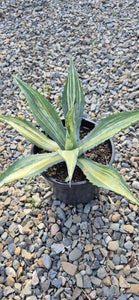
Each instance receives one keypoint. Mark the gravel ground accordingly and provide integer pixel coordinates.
(49, 250)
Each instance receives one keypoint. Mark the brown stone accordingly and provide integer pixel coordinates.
(17, 251)
(88, 247)
(23, 198)
(20, 148)
(39, 262)
(18, 287)
(69, 268)
(116, 217)
(127, 270)
(10, 281)
(123, 283)
(104, 252)
(113, 245)
(26, 254)
(133, 207)
(1, 212)
(128, 228)
(19, 271)
(107, 281)
(134, 289)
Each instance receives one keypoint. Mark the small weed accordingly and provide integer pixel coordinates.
(96, 43)
(92, 156)
(121, 63)
(46, 89)
(114, 13)
(86, 92)
(22, 278)
(31, 201)
(58, 102)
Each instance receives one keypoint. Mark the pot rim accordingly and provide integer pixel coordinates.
(83, 181)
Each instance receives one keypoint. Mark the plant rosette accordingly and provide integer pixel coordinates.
(81, 190)
(63, 143)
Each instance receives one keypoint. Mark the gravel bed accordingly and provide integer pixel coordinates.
(48, 250)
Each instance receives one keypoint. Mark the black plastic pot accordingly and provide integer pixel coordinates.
(80, 192)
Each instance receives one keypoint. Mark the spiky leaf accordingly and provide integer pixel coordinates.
(106, 177)
(44, 113)
(71, 141)
(30, 132)
(29, 166)
(70, 157)
(107, 128)
(73, 93)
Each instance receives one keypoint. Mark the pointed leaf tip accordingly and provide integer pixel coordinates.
(107, 177)
(70, 157)
(44, 113)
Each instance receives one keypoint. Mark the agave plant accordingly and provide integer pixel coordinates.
(63, 143)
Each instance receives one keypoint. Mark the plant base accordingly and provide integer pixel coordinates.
(79, 192)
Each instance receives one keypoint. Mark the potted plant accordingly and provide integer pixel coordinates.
(63, 143)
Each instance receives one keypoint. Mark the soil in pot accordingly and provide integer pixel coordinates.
(100, 154)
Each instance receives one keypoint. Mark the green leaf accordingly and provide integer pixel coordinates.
(29, 166)
(73, 93)
(107, 128)
(70, 157)
(31, 133)
(71, 141)
(106, 177)
(44, 113)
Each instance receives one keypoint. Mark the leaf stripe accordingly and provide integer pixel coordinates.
(73, 93)
(29, 166)
(30, 132)
(107, 128)
(44, 113)
(106, 177)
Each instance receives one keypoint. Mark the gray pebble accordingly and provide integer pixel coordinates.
(58, 248)
(123, 259)
(122, 297)
(132, 216)
(135, 185)
(45, 285)
(96, 281)
(115, 226)
(46, 260)
(101, 273)
(2, 274)
(11, 248)
(128, 245)
(137, 239)
(86, 282)
(7, 291)
(57, 282)
(75, 254)
(61, 214)
(68, 222)
(1, 293)
(1, 230)
(116, 259)
(87, 208)
(4, 236)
